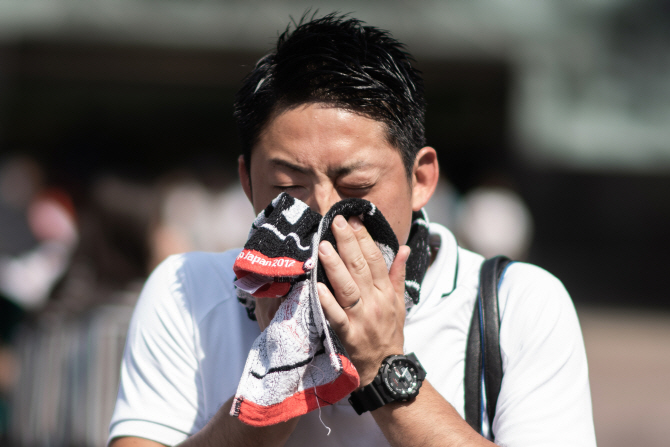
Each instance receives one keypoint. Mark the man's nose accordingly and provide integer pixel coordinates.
(323, 198)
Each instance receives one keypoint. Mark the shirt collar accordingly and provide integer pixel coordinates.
(441, 277)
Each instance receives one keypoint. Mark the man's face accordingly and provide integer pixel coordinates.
(322, 154)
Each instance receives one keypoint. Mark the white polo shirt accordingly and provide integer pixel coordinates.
(189, 339)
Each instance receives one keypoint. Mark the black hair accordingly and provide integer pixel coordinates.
(339, 61)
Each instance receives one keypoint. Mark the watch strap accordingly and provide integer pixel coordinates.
(369, 398)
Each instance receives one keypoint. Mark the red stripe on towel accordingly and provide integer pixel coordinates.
(256, 262)
(302, 402)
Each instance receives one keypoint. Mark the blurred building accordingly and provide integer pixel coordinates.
(571, 98)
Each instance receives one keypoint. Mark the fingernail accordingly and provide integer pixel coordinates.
(340, 222)
(355, 223)
(325, 248)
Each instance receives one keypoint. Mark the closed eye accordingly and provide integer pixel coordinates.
(355, 191)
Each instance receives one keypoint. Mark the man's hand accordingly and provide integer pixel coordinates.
(368, 309)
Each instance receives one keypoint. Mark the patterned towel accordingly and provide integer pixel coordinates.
(298, 364)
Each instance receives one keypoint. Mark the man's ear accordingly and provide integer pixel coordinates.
(245, 180)
(425, 174)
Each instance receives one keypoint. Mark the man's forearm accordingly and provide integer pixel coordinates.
(428, 420)
(226, 430)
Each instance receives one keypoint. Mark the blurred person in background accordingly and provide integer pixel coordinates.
(192, 216)
(492, 219)
(64, 348)
(337, 111)
(69, 347)
(38, 234)
(113, 252)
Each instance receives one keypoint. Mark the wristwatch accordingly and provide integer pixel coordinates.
(399, 379)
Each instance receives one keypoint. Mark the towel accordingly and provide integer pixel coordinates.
(298, 364)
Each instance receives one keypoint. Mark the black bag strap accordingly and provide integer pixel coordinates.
(482, 354)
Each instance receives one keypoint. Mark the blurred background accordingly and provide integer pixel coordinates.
(118, 148)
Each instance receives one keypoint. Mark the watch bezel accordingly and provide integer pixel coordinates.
(415, 370)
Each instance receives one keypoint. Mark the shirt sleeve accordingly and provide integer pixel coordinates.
(545, 399)
(158, 392)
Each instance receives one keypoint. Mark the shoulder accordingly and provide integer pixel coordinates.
(534, 305)
(525, 276)
(197, 266)
(531, 289)
(191, 283)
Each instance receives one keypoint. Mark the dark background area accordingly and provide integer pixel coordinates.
(84, 110)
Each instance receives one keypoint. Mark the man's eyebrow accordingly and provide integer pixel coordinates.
(289, 165)
(336, 172)
(348, 169)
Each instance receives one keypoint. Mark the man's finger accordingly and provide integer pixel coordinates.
(373, 255)
(346, 289)
(334, 313)
(349, 248)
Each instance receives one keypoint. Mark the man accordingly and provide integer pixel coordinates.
(337, 111)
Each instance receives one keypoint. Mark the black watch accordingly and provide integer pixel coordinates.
(399, 379)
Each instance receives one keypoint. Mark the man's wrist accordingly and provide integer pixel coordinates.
(399, 379)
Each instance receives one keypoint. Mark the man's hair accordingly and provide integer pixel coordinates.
(338, 61)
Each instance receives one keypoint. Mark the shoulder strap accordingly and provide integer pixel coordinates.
(483, 360)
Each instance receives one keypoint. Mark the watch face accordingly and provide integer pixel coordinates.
(401, 378)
